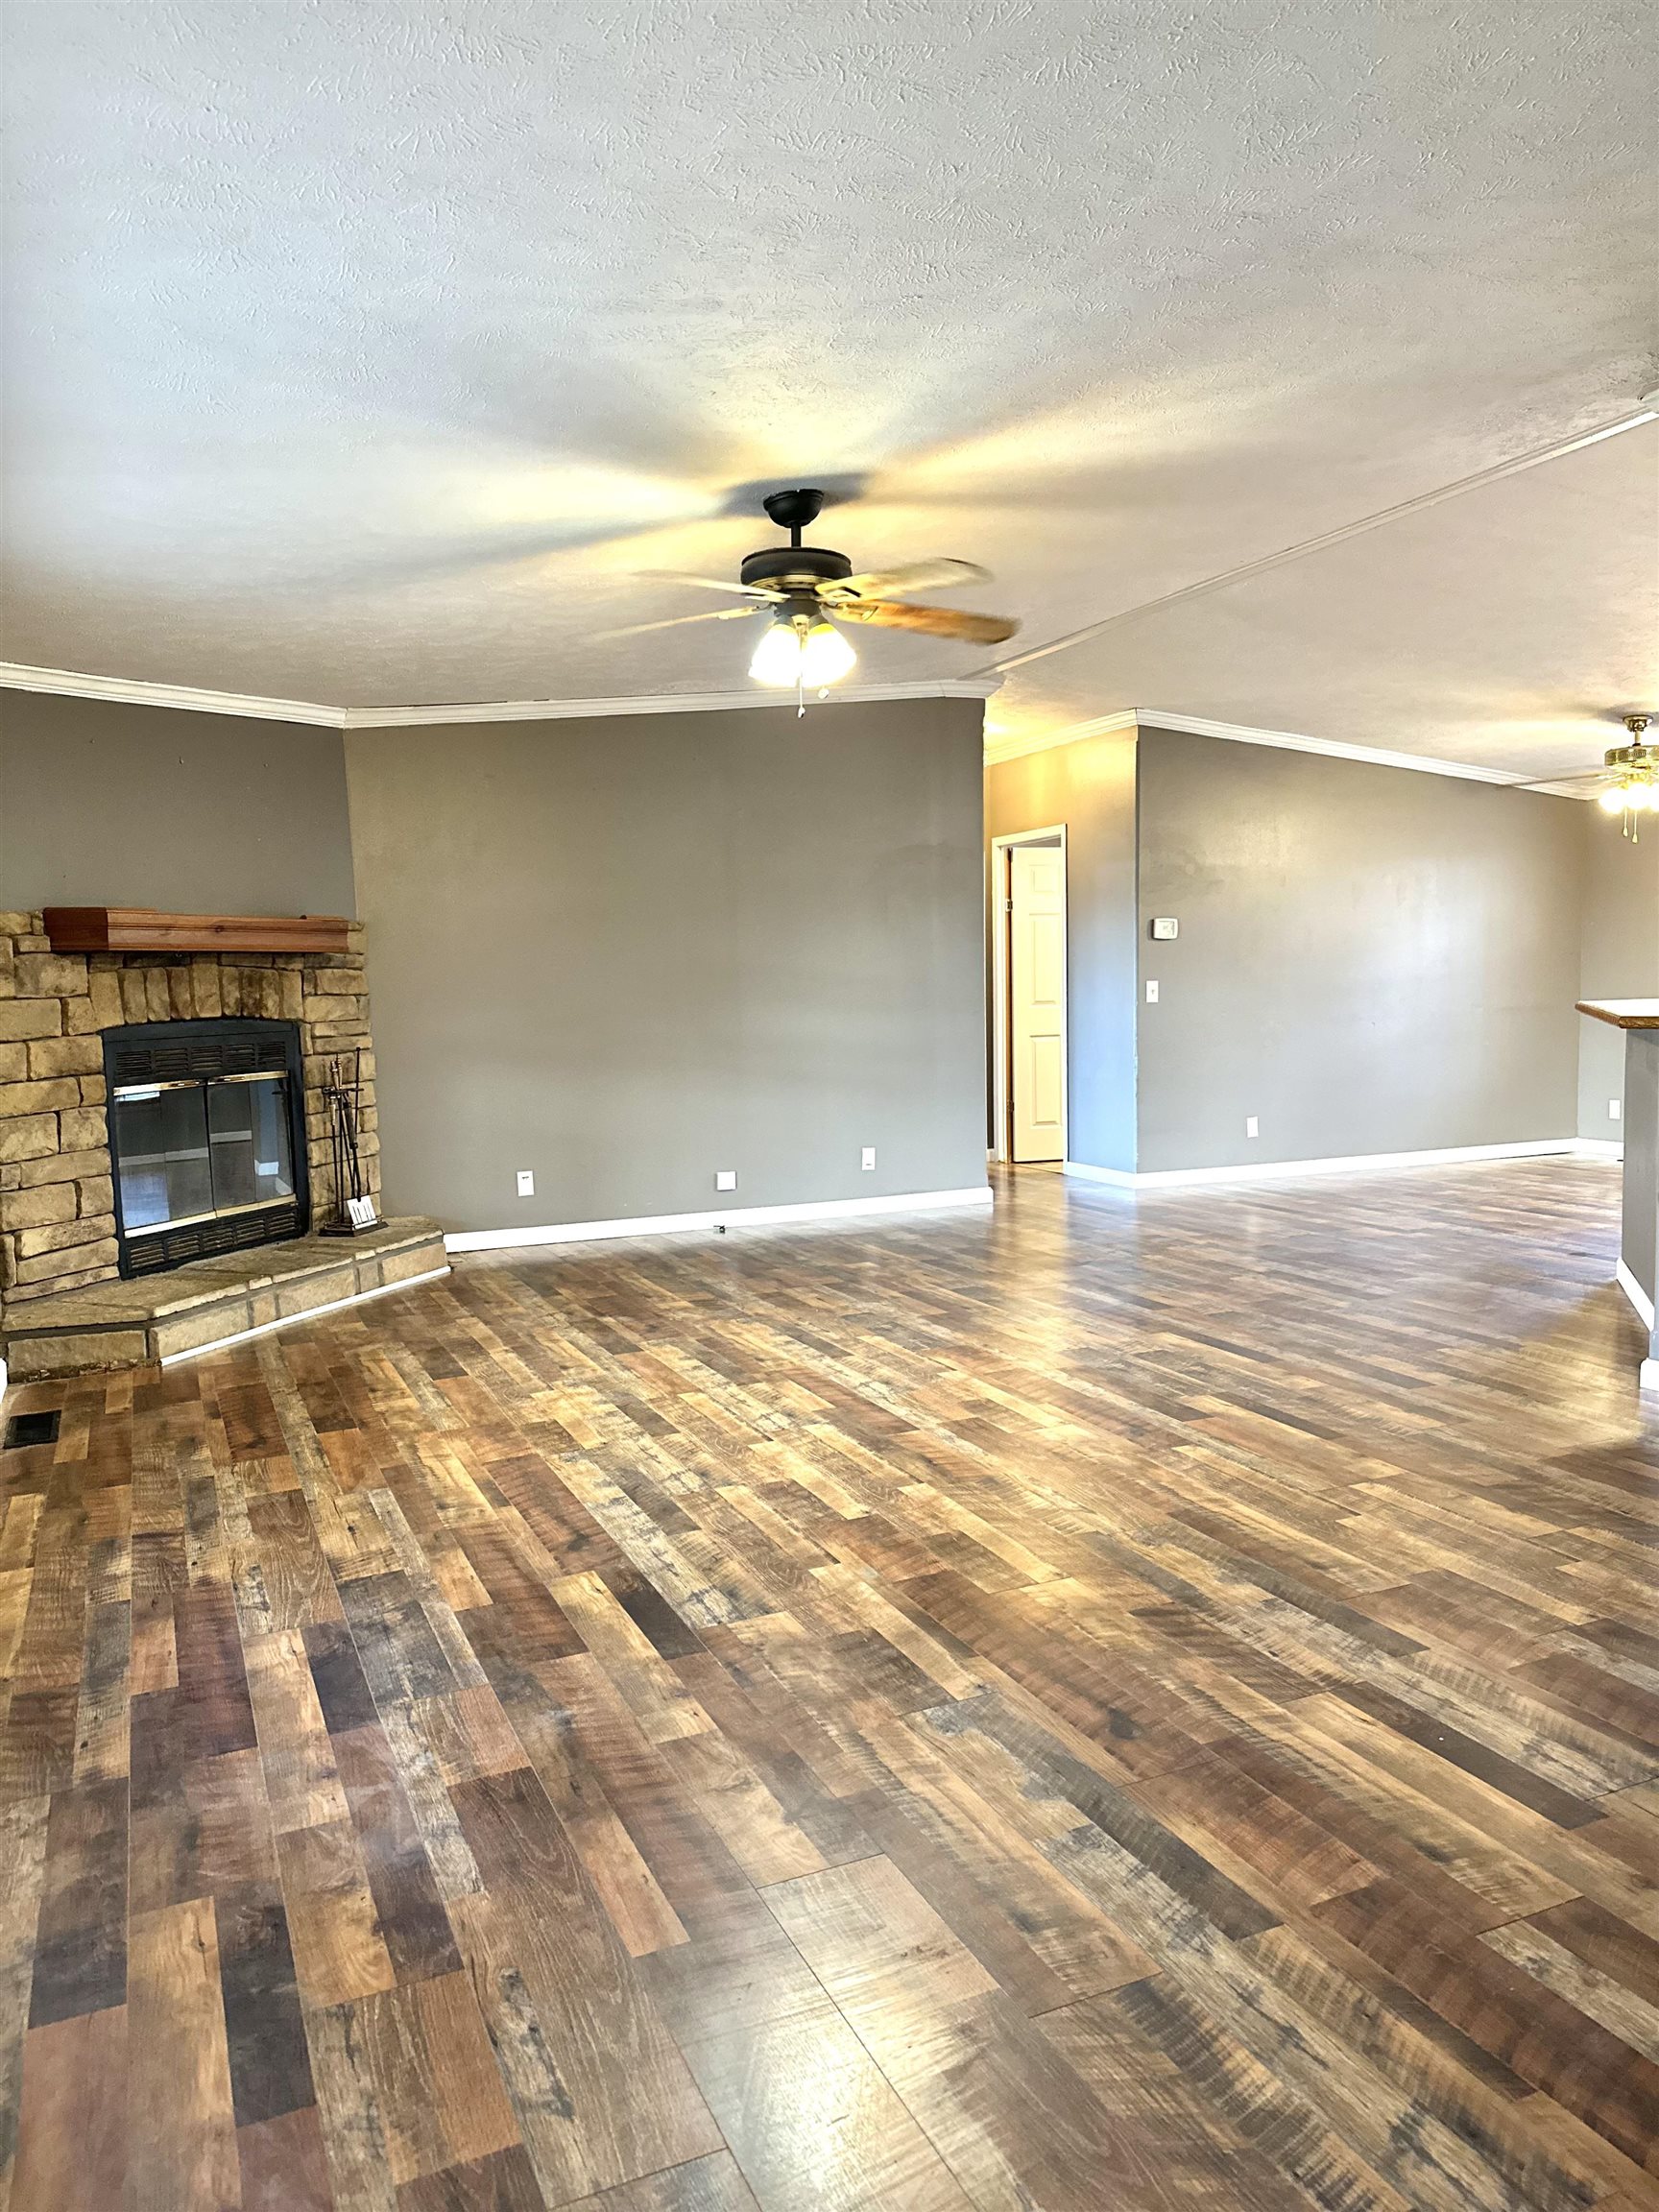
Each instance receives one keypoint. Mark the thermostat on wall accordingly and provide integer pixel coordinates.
(1166, 925)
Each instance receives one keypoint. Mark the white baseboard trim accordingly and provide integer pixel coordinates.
(732, 1216)
(312, 1313)
(1355, 1162)
(1638, 1297)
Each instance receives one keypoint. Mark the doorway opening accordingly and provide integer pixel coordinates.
(1028, 994)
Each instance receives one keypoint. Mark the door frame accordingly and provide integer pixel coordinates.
(997, 895)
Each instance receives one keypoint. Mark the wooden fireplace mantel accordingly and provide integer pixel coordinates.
(142, 930)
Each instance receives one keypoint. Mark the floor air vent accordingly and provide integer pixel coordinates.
(26, 1428)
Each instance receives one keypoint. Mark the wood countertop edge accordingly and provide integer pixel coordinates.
(1623, 1013)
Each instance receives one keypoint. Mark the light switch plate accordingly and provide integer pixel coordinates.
(867, 1158)
(725, 1178)
(1252, 1125)
(1165, 927)
(526, 1183)
(1615, 1109)
(1151, 994)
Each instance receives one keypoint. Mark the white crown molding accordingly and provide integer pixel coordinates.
(662, 703)
(1334, 748)
(732, 1216)
(68, 683)
(1343, 1164)
(1154, 718)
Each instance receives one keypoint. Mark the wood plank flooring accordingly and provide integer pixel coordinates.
(1133, 1704)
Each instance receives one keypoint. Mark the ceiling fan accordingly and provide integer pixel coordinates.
(806, 592)
(1629, 777)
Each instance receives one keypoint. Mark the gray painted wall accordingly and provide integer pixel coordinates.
(1620, 955)
(1370, 959)
(626, 953)
(1089, 786)
(107, 804)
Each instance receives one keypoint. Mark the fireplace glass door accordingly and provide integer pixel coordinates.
(203, 1129)
(188, 1150)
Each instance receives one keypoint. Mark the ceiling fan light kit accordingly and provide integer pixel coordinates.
(807, 590)
(1634, 790)
(799, 649)
(1628, 777)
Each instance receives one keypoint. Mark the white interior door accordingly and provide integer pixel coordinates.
(1037, 999)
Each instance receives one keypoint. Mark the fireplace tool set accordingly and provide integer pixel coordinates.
(353, 1211)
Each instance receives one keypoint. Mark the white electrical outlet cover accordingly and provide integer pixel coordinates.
(725, 1178)
(1252, 1125)
(1151, 994)
(869, 1158)
(526, 1183)
(1615, 1109)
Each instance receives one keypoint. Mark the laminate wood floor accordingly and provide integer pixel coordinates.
(1126, 1704)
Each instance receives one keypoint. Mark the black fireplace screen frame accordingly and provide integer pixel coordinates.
(156, 1052)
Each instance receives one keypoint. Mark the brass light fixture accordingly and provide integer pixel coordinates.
(1635, 788)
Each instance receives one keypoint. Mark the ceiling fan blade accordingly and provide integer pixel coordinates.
(931, 622)
(674, 621)
(909, 576)
(705, 583)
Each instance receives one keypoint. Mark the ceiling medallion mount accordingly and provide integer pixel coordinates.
(794, 567)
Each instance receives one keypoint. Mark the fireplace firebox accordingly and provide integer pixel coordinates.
(207, 1138)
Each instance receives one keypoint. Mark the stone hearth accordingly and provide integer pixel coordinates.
(56, 1197)
(120, 1324)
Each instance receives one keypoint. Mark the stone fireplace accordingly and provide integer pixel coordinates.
(209, 1061)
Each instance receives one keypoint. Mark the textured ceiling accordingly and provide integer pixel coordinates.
(367, 354)
(1510, 626)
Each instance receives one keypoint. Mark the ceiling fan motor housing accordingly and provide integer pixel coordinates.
(1641, 752)
(795, 567)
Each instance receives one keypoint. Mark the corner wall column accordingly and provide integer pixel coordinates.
(1639, 1232)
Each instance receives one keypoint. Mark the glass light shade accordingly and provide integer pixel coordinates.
(809, 655)
(825, 657)
(777, 655)
(1611, 801)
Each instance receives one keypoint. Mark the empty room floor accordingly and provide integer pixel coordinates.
(1123, 1703)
